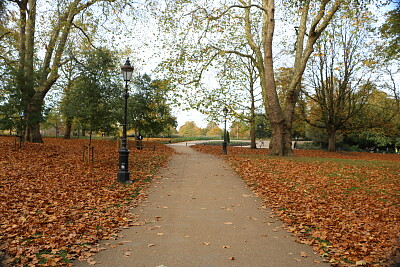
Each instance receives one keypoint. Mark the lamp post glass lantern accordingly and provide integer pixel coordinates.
(224, 144)
(123, 173)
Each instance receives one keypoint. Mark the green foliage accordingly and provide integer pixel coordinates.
(52, 119)
(94, 98)
(148, 109)
(263, 127)
(10, 102)
(390, 31)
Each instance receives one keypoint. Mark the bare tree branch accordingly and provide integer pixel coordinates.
(84, 33)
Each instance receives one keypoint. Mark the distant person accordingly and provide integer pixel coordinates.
(139, 142)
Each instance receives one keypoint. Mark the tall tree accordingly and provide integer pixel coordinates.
(148, 109)
(37, 74)
(225, 29)
(339, 74)
(377, 124)
(390, 31)
(94, 96)
(189, 129)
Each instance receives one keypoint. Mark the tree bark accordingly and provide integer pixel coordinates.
(331, 139)
(253, 144)
(281, 140)
(280, 144)
(68, 127)
(33, 118)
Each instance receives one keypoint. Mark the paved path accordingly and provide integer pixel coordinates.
(200, 213)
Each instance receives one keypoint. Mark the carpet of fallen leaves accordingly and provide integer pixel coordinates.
(54, 207)
(346, 205)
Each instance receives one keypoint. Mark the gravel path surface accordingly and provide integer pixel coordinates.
(200, 213)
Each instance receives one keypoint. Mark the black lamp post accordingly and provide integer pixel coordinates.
(123, 173)
(21, 125)
(224, 144)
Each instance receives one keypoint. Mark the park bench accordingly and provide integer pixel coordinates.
(142, 145)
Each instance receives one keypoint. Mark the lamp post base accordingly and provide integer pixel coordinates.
(224, 145)
(123, 176)
(123, 173)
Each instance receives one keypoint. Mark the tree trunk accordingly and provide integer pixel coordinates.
(280, 144)
(253, 144)
(281, 141)
(68, 127)
(33, 118)
(331, 139)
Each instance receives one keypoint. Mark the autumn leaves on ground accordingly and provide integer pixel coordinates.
(54, 207)
(346, 205)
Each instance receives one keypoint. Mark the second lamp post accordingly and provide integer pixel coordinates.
(225, 143)
(123, 173)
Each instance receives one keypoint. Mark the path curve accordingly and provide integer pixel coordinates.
(200, 213)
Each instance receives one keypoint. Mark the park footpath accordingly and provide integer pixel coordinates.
(201, 213)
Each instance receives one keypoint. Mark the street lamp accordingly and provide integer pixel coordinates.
(224, 144)
(123, 173)
(21, 125)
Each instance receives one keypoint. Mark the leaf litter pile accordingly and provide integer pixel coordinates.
(346, 205)
(54, 207)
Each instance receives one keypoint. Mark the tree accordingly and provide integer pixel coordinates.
(390, 31)
(189, 129)
(53, 119)
(94, 97)
(148, 109)
(10, 109)
(227, 29)
(36, 74)
(378, 122)
(215, 131)
(338, 78)
(263, 127)
(239, 129)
